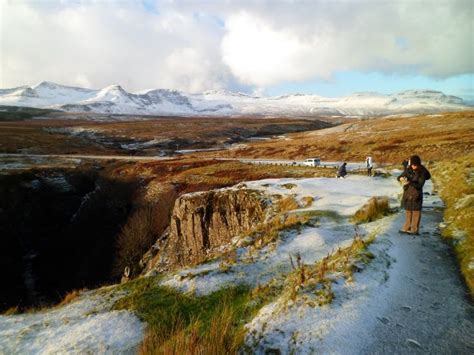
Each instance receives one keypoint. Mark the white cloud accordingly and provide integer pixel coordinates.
(301, 41)
(260, 55)
(100, 44)
(194, 46)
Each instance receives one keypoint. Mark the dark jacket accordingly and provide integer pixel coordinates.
(342, 171)
(412, 199)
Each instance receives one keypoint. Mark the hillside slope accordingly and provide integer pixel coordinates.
(379, 292)
(388, 140)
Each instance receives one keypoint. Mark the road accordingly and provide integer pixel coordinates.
(350, 165)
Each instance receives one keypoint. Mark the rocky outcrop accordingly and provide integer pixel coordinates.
(202, 222)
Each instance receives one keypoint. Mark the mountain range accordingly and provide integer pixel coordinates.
(115, 100)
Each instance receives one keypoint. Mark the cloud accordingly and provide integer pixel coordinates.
(298, 41)
(195, 46)
(102, 43)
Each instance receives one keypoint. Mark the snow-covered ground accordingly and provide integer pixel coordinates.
(378, 301)
(399, 304)
(114, 99)
(84, 326)
(343, 196)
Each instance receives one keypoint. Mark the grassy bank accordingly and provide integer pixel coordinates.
(180, 323)
(454, 181)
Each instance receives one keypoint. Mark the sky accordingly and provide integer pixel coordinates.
(324, 47)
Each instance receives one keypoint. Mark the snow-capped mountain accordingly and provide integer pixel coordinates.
(115, 100)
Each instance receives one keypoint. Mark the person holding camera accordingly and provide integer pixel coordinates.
(413, 179)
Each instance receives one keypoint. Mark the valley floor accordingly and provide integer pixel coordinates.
(408, 299)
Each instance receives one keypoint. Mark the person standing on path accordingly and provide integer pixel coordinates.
(342, 172)
(413, 180)
(369, 163)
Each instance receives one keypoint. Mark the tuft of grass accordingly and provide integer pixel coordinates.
(307, 201)
(288, 203)
(454, 180)
(375, 208)
(182, 323)
(69, 297)
(313, 283)
(221, 337)
(289, 186)
(12, 311)
(269, 232)
(228, 259)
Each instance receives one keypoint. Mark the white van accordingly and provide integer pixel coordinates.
(312, 162)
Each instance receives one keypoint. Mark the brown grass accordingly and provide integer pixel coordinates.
(375, 208)
(454, 180)
(313, 283)
(187, 133)
(287, 203)
(179, 323)
(307, 201)
(221, 337)
(70, 296)
(390, 140)
(285, 219)
(12, 311)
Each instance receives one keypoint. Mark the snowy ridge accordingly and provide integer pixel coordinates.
(116, 100)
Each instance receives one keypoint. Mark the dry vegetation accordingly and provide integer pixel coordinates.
(375, 208)
(387, 140)
(69, 297)
(31, 137)
(169, 133)
(203, 174)
(185, 324)
(312, 284)
(454, 180)
(136, 237)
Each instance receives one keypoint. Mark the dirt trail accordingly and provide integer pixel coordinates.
(409, 299)
(429, 310)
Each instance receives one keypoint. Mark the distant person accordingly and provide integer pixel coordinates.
(368, 162)
(413, 179)
(342, 172)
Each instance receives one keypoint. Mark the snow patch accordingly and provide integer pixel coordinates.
(84, 326)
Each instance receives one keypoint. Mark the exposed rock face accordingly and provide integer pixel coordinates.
(204, 221)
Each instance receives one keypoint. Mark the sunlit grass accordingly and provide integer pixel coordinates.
(375, 208)
(187, 324)
(454, 179)
(312, 283)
